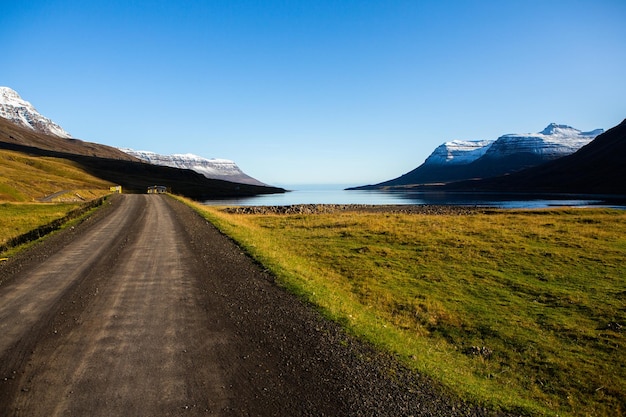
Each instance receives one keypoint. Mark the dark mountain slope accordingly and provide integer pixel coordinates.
(120, 168)
(484, 167)
(425, 174)
(596, 168)
(12, 133)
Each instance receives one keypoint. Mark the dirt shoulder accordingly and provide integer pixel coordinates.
(174, 319)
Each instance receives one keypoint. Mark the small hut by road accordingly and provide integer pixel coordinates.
(157, 189)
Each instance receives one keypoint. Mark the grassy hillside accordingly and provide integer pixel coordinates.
(115, 166)
(522, 310)
(25, 178)
(136, 176)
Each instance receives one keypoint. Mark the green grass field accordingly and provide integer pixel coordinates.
(25, 178)
(519, 310)
(19, 218)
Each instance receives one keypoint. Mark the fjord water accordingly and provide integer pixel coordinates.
(336, 194)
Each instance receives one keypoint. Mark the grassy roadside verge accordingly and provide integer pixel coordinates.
(23, 223)
(520, 310)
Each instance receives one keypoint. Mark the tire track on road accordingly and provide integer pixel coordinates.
(27, 300)
(128, 355)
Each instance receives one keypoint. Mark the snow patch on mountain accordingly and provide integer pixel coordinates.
(458, 152)
(460, 160)
(214, 168)
(21, 112)
(552, 142)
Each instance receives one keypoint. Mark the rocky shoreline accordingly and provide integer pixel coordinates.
(364, 208)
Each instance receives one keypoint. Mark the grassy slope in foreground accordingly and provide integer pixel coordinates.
(25, 178)
(522, 310)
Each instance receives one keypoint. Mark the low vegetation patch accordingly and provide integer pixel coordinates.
(519, 310)
(25, 222)
(39, 194)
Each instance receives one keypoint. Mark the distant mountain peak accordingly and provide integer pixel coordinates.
(553, 142)
(9, 94)
(558, 139)
(565, 130)
(221, 169)
(554, 128)
(461, 160)
(21, 112)
(458, 152)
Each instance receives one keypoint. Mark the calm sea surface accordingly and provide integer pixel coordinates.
(335, 194)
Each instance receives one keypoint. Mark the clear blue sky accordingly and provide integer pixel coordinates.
(350, 92)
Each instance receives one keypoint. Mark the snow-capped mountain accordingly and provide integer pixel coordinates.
(22, 128)
(461, 160)
(597, 168)
(458, 152)
(221, 169)
(553, 142)
(21, 112)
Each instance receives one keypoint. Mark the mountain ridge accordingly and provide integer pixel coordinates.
(113, 165)
(598, 168)
(463, 160)
(214, 168)
(21, 112)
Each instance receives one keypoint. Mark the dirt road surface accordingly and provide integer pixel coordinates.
(145, 309)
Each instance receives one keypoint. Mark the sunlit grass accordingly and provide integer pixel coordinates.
(19, 218)
(22, 224)
(25, 178)
(517, 309)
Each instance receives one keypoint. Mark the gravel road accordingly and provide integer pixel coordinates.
(145, 309)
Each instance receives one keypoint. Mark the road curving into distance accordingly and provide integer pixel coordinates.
(145, 309)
